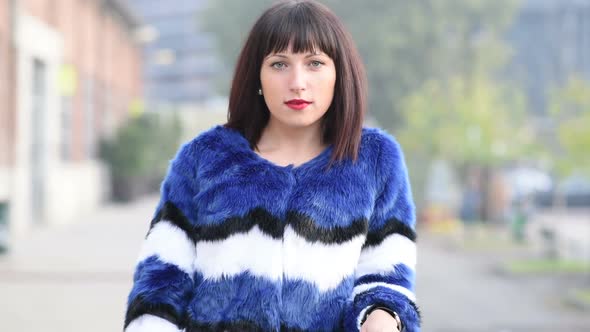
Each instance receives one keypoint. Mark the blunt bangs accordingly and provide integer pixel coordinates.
(299, 26)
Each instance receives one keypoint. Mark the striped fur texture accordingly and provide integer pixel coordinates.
(238, 243)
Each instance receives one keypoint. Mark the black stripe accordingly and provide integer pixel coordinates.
(415, 306)
(269, 224)
(392, 226)
(285, 328)
(173, 214)
(139, 306)
(239, 326)
(308, 229)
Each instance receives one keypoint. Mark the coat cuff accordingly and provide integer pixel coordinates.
(151, 323)
(407, 310)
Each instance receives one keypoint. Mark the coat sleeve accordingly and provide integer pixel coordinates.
(163, 277)
(385, 274)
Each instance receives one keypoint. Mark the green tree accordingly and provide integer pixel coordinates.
(229, 22)
(406, 43)
(466, 121)
(570, 111)
(138, 153)
(473, 122)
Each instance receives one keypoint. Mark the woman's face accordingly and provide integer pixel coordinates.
(298, 87)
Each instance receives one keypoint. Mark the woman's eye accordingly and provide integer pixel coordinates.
(278, 65)
(316, 64)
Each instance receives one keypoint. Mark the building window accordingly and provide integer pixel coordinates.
(38, 123)
(38, 102)
(89, 119)
(3, 72)
(68, 81)
(4, 106)
(66, 128)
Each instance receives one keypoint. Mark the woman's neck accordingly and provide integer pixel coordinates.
(301, 143)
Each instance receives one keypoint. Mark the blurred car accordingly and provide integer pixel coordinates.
(573, 192)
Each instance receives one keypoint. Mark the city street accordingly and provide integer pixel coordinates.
(76, 278)
(462, 292)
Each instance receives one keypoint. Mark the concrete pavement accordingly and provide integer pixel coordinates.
(75, 277)
(462, 291)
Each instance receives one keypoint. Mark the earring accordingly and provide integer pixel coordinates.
(260, 92)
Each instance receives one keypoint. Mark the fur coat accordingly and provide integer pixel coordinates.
(238, 243)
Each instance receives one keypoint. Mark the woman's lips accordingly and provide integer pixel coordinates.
(297, 104)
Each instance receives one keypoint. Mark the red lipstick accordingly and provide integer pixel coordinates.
(297, 104)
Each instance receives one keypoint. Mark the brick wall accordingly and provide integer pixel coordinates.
(7, 113)
(99, 45)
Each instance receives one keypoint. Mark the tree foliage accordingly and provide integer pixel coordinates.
(466, 121)
(138, 153)
(570, 111)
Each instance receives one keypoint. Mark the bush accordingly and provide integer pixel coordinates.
(139, 152)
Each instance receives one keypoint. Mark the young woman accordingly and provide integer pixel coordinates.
(291, 216)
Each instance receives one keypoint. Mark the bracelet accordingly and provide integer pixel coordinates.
(393, 314)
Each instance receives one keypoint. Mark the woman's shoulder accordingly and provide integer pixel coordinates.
(217, 136)
(380, 142)
(389, 159)
(376, 144)
(191, 151)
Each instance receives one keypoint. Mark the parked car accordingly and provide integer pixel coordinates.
(573, 192)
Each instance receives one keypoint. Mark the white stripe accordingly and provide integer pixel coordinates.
(254, 251)
(326, 265)
(393, 250)
(360, 317)
(171, 244)
(365, 287)
(294, 258)
(150, 323)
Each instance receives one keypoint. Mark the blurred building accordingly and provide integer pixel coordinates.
(179, 58)
(551, 41)
(69, 71)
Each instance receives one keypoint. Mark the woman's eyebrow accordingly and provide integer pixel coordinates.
(309, 55)
(277, 55)
(314, 54)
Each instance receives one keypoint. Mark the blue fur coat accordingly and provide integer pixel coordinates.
(238, 243)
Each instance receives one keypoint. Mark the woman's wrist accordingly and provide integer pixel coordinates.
(390, 312)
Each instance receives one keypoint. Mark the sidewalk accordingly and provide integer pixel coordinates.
(460, 290)
(74, 277)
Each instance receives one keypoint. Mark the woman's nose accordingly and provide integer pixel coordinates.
(298, 80)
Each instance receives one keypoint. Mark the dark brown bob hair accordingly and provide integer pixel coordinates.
(307, 26)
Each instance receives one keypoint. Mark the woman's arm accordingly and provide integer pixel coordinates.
(385, 274)
(162, 282)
